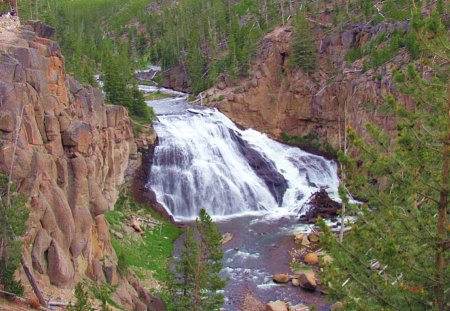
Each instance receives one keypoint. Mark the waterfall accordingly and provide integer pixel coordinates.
(203, 160)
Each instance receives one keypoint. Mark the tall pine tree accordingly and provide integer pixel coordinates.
(196, 280)
(303, 53)
(396, 255)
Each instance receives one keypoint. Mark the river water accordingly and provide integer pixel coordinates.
(252, 186)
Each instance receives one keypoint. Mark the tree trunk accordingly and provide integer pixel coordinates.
(33, 283)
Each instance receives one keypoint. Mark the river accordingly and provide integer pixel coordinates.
(252, 186)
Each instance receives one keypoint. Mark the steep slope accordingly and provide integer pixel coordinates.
(70, 155)
(276, 99)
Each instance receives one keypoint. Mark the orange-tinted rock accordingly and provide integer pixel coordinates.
(68, 162)
(311, 259)
(280, 278)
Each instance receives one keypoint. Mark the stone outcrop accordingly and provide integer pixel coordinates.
(276, 99)
(71, 153)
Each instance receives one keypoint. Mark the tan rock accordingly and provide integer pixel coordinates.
(301, 239)
(311, 259)
(280, 278)
(277, 306)
(307, 281)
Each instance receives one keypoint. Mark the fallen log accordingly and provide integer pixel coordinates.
(33, 282)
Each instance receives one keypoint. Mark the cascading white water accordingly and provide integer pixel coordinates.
(203, 160)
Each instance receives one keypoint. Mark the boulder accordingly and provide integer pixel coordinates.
(280, 278)
(60, 269)
(311, 259)
(307, 281)
(277, 306)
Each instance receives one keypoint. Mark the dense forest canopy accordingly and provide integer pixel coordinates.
(207, 38)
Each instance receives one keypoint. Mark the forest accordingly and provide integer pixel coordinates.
(393, 183)
(208, 39)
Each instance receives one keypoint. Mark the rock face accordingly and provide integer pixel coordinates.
(275, 99)
(72, 155)
(264, 168)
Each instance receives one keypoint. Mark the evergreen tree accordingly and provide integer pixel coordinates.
(303, 53)
(13, 218)
(183, 281)
(114, 82)
(396, 255)
(196, 281)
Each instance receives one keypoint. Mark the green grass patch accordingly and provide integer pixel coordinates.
(156, 96)
(149, 254)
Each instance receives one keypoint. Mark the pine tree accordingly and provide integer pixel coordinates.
(303, 53)
(183, 281)
(396, 255)
(13, 218)
(196, 281)
(209, 264)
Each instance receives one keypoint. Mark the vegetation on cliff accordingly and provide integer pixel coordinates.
(396, 255)
(208, 39)
(155, 246)
(13, 220)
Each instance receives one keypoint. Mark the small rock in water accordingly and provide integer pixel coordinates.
(277, 306)
(227, 237)
(280, 278)
(295, 282)
(311, 259)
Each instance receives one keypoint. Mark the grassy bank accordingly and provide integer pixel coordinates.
(147, 256)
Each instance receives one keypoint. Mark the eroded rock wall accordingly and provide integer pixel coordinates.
(72, 155)
(276, 99)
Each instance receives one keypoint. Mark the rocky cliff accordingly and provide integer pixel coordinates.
(70, 155)
(276, 99)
